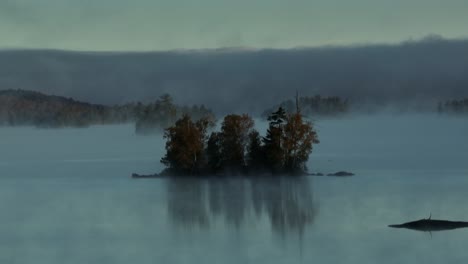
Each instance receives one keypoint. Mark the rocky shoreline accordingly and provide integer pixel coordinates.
(336, 174)
(167, 175)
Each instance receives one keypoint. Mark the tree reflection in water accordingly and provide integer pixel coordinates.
(286, 201)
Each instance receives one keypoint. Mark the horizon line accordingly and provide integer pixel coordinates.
(430, 38)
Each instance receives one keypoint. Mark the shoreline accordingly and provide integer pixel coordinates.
(225, 175)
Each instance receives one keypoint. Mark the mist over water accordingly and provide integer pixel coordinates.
(393, 142)
(66, 196)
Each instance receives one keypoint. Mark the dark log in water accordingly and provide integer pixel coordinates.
(341, 174)
(430, 225)
(149, 176)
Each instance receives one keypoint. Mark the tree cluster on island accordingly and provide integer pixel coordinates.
(315, 106)
(453, 106)
(238, 148)
(21, 107)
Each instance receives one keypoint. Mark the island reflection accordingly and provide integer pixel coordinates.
(287, 202)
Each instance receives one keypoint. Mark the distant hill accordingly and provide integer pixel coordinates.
(21, 107)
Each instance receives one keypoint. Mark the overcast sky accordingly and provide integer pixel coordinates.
(189, 24)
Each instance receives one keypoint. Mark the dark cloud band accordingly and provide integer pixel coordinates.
(230, 80)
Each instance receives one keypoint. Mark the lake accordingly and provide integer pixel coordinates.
(66, 196)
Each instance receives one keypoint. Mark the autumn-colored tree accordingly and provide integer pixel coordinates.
(274, 154)
(185, 146)
(298, 139)
(234, 139)
(238, 146)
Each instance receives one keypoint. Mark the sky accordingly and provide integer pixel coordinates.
(122, 25)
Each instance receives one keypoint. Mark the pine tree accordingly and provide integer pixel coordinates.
(255, 152)
(213, 152)
(274, 155)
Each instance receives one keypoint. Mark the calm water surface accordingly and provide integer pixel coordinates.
(66, 197)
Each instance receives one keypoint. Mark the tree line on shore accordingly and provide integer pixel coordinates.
(315, 106)
(453, 106)
(238, 148)
(22, 107)
(159, 115)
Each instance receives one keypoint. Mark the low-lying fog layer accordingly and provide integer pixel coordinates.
(394, 142)
(66, 197)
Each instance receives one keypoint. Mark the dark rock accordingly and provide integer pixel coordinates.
(149, 176)
(341, 174)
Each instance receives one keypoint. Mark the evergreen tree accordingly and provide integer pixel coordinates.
(213, 152)
(440, 108)
(255, 152)
(274, 155)
(167, 110)
(453, 106)
(238, 146)
(158, 115)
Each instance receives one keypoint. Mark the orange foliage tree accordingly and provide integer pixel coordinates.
(185, 145)
(238, 147)
(298, 139)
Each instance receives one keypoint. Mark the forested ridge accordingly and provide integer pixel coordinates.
(22, 108)
(453, 106)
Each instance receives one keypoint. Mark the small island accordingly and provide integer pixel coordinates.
(239, 149)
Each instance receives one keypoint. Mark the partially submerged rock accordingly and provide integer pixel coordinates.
(147, 176)
(336, 174)
(341, 174)
(316, 174)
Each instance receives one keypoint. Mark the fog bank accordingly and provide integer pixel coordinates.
(411, 73)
